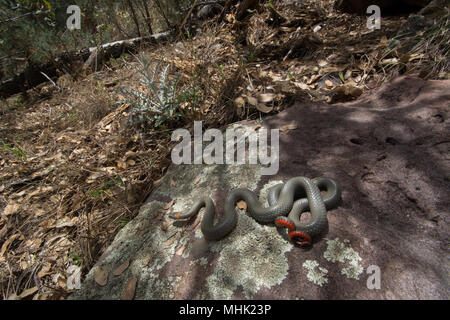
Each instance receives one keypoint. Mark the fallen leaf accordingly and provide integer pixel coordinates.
(11, 208)
(169, 242)
(101, 276)
(165, 225)
(242, 204)
(258, 126)
(239, 102)
(64, 222)
(253, 101)
(168, 205)
(94, 176)
(196, 181)
(130, 288)
(148, 259)
(121, 164)
(181, 250)
(263, 108)
(355, 91)
(120, 269)
(172, 183)
(28, 292)
(44, 271)
(328, 83)
(288, 127)
(266, 97)
(7, 243)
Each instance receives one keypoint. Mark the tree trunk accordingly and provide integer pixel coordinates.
(158, 4)
(148, 18)
(133, 13)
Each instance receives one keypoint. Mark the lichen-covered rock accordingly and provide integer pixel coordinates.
(389, 152)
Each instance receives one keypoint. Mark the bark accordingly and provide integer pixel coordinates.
(133, 13)
(158, 4)
(148, 17)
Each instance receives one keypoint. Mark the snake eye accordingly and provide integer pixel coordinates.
(300, 238)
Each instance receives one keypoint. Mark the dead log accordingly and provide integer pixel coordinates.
(68, 62)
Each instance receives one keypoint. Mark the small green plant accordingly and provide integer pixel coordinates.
(17, 151)
(72, 116)
(76, 259)
(159, 103)
(291, 76)
(18, 103)
(123, 222)
(96, 193)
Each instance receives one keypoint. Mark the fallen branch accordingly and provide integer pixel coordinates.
(180, 29)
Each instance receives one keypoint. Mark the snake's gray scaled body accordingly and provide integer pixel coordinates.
(318, 222)
(281, 203)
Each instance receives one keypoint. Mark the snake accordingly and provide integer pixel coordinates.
(286, 203)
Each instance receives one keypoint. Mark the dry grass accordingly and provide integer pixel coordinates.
(86, 172)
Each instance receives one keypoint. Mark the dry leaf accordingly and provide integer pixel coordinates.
(266, 97)
(148, 259)
(258, 126)
(44, 271)
(263, 108)
(355, 91)
(7, 243)
(196, 181)
(165, 225)
(168, 205)
(121, 164)
(239, 102)
(180, 250)
(120, 269)
(11, 208)
(328, 83)
(101, 276)
(242, 204)
(252, 101)
(288, 127)
(64, 222)
(172, 183)
(169, 242)
(28, 292)
(130, 288)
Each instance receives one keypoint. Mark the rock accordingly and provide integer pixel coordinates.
(389, 152)
(208, 11)
(386, 6)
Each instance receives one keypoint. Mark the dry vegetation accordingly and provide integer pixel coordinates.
(73, 171)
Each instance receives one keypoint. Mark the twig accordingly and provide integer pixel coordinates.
(54, 84)
(180, 29)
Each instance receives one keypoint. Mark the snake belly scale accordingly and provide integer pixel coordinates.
(286, 203)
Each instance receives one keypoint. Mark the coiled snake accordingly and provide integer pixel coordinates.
(282, 210)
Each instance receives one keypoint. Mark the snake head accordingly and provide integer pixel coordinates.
(300, 238)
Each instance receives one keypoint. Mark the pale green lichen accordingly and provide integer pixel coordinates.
(160, 288)
(252, 256)
(338, 252)
(316, 274)
(263, 194)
